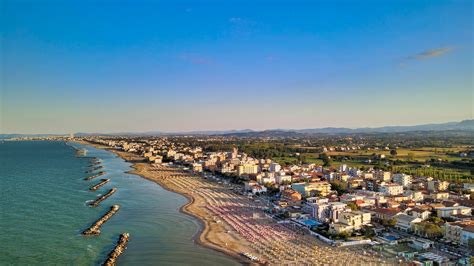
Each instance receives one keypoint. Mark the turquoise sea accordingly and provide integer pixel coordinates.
(44, 210)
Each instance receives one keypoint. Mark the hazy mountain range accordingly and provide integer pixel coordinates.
(465, 125)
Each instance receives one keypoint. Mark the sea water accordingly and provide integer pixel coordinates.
(43, 210)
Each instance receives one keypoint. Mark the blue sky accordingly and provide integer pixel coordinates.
(111, 66)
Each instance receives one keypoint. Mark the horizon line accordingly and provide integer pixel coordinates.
(223, 130)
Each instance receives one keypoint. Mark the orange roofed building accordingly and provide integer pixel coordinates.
(291, 195)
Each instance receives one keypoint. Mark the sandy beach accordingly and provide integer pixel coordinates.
(209, 235)
(235, 225)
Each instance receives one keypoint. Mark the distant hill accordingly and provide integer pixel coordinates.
(465, 125)
(275, 133)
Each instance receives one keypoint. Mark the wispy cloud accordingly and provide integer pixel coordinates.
(195, 58)
(426, 55)
(430, 53)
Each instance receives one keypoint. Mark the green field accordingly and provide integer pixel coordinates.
(442, 163)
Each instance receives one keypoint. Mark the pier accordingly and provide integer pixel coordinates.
(118, 250)
(94, 230)
(94, 176)
(96, 202)
(98, 185)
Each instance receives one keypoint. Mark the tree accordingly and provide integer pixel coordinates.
(432, 230)
(339, 187)
(341, 235)
(302, 159)
(344, 235)
(315, 193)
(367, 232)
(470, 243)
(435, 219)
(393, 152)
(353, 206)
(326, 159)
(391, 222)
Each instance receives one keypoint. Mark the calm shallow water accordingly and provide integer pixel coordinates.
(44, 209)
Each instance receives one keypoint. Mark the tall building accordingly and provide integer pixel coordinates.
(234, 153)
(247, 169)
(327, 212)
(402, 179)
(384, 176)
(322, 188)
(459, 232)
(437, 185)
(343, 168)
(274, 167)
(391, 189)
(283, 178)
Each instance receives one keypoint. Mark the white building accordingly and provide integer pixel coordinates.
(197, 167)
(391, 189)
(420, 213)
(456, 210)
(414, 195)
(459, 232)
(406, 222)
(274, 167)
(329, 211)
(402, 179)
(268, 180)
(384, 176)
(437, 185)
(247, 169)
(283, 178)
(343, 168)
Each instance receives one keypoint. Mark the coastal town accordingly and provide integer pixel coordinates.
(209, 133)
(259, 210)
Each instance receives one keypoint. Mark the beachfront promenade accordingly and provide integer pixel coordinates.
(238, 224)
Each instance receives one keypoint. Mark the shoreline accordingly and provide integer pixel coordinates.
(201, 235)
(237, 227)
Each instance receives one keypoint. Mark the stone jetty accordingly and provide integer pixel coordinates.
(94, 176)
(94, 230)
(94, 163)
(94, 169)
(118, 250)
(98, 185)
(96, 202)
